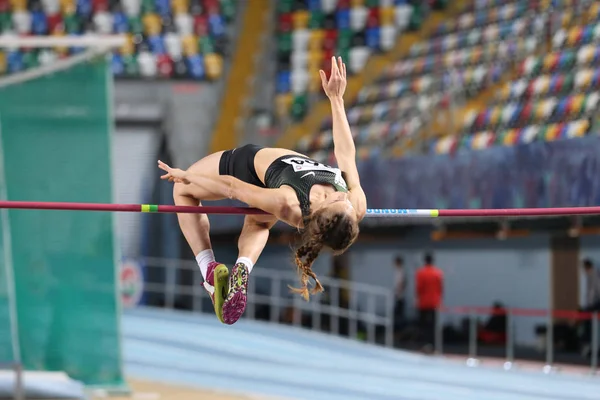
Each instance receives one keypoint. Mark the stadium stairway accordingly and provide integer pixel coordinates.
(263, 359)
(242, 70)
(372, 70)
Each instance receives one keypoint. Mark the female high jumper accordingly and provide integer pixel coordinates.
(324, 203)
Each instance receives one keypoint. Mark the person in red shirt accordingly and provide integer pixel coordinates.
(430, 289)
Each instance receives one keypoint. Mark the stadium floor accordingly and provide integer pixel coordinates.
(260, 359)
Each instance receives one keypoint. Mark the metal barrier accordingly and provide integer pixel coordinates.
(509, 354)
(369, 308)
(368, 312)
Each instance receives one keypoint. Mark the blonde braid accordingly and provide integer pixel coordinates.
(311, 251)
(313, 244)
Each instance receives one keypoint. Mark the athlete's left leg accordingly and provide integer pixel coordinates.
(251, 243)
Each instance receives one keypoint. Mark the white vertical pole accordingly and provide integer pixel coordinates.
(9, 271)
(117, 256)
(510, 343)
(472, 361)
(548, 368)
(390, 326)
(595, 333)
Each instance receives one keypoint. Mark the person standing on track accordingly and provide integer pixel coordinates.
(429, 284)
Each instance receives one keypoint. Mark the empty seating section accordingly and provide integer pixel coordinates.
(165, 38)
(310, 32)
(463, 56)
(556, 95)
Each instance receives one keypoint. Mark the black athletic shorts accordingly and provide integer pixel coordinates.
(239, 163)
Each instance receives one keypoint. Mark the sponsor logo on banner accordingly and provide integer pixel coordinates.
(391, 211)
(132, 283)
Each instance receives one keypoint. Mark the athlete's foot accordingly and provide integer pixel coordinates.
(217, 286)
(235, 303)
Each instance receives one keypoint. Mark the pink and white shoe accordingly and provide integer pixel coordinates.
(235, 302)
(217, 286)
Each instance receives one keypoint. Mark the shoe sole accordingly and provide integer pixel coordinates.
(221, 279)
(235, 303)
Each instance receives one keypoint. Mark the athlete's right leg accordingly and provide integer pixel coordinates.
(251, 243)
(196, 230)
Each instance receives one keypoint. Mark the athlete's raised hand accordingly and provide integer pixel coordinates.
(173, 174)
(336, 85)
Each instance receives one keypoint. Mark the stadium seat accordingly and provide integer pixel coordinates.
(310, 32)
(470, 53)
(163, 31)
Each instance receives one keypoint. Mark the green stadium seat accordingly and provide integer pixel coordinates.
(284, 6)
(206, 45)
(316, 20)
(284, 43)
(299, 107)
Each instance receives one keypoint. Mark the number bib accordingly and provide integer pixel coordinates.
(304, 165)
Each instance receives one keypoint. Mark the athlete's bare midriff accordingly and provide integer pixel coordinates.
(209, 165)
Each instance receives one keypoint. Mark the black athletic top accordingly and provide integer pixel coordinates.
(301, 173)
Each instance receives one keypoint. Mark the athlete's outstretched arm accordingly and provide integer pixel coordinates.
(343, 143)
(273, 201)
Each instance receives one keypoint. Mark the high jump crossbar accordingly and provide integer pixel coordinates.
(373, 213)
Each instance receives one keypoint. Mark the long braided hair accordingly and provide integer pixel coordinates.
(322, 229)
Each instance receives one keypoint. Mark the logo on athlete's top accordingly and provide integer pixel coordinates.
(301, 164)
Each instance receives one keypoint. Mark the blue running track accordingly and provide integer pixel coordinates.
(275, 360)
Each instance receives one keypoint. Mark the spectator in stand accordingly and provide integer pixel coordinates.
(592, 294)
(494, 330)
(399, 291)
(430, 287)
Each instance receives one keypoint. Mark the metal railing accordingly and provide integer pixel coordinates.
(473, 314)
(347, 308)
